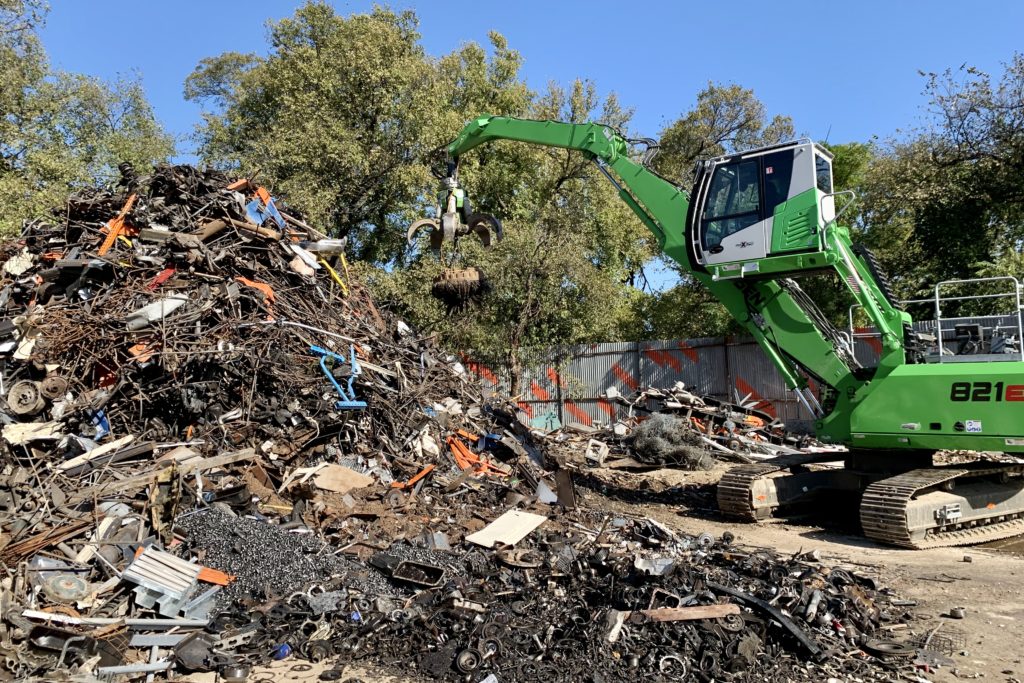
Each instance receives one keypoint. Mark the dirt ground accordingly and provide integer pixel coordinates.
(988, 586)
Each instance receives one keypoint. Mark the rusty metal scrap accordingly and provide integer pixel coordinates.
(675, 427)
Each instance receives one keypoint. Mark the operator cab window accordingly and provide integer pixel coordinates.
(778, 175)
(733, 203)
(823, 170)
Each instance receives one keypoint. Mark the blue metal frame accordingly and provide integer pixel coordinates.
(348, 399)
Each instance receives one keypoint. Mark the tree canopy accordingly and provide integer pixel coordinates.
(946, 200)
(359, 148)
(58, 129)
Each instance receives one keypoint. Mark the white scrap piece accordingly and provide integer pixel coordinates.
(305, 256)
(97, 452)
(21, 433)
(509, 529)
(20, 262)
(597, 451)
(162, 573)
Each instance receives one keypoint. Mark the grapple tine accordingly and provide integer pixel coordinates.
(483, 224)
(436, 236)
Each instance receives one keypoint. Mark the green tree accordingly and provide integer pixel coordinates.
(684, 311)
(725, 119)
(61, 130)
(560, 277)
(945, 202)
(346, 115)
(850, 164)
(358, 147)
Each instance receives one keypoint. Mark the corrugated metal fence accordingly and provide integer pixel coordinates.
(569, 384)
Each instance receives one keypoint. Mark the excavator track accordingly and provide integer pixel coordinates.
(736, 487)
(884, 509)
(923, 508)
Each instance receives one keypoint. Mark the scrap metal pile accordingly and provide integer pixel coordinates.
(217, 453)
(539, 596)
(675, 427)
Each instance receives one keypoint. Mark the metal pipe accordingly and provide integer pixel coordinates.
(969, 297)
(141, 624)
(291, 323)
(813, 400)
(134, 668)
(806, 404)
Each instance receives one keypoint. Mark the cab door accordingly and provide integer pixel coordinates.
(732, 225)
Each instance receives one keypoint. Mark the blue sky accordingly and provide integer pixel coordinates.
(848, 70)
(845, 70)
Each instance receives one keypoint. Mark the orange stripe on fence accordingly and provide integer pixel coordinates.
(625, 377)
(873, 342)
(688, 351)
(664, 358)
(577, 412)
(539, 392)
(762, 404)
(526, 408)
(487, 374)
(607, 408)
(655, 355)
(553, 376)
(481, 371)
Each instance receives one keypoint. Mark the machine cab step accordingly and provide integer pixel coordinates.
(751, 208)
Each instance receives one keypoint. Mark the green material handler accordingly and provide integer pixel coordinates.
(750, 227)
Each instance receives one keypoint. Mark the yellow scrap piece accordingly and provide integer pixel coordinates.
(335, 276)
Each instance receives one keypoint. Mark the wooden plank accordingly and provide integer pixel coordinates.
(209, 229)
(690, 613)
(98, 452)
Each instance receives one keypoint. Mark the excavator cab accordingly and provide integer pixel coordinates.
(763, 212)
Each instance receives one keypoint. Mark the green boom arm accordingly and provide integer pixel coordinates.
(767, 309)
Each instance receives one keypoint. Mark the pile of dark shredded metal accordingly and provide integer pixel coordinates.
(585, 597)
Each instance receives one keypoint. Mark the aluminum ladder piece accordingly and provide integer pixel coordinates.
(348, 398)
(162, 578)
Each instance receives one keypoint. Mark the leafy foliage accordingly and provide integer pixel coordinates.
(560, 275)
(358, 147)
(346, 115)
(726, 119)
(60, 129)
(946, 202)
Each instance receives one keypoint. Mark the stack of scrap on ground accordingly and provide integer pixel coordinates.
(218, 452)
(675, 427)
